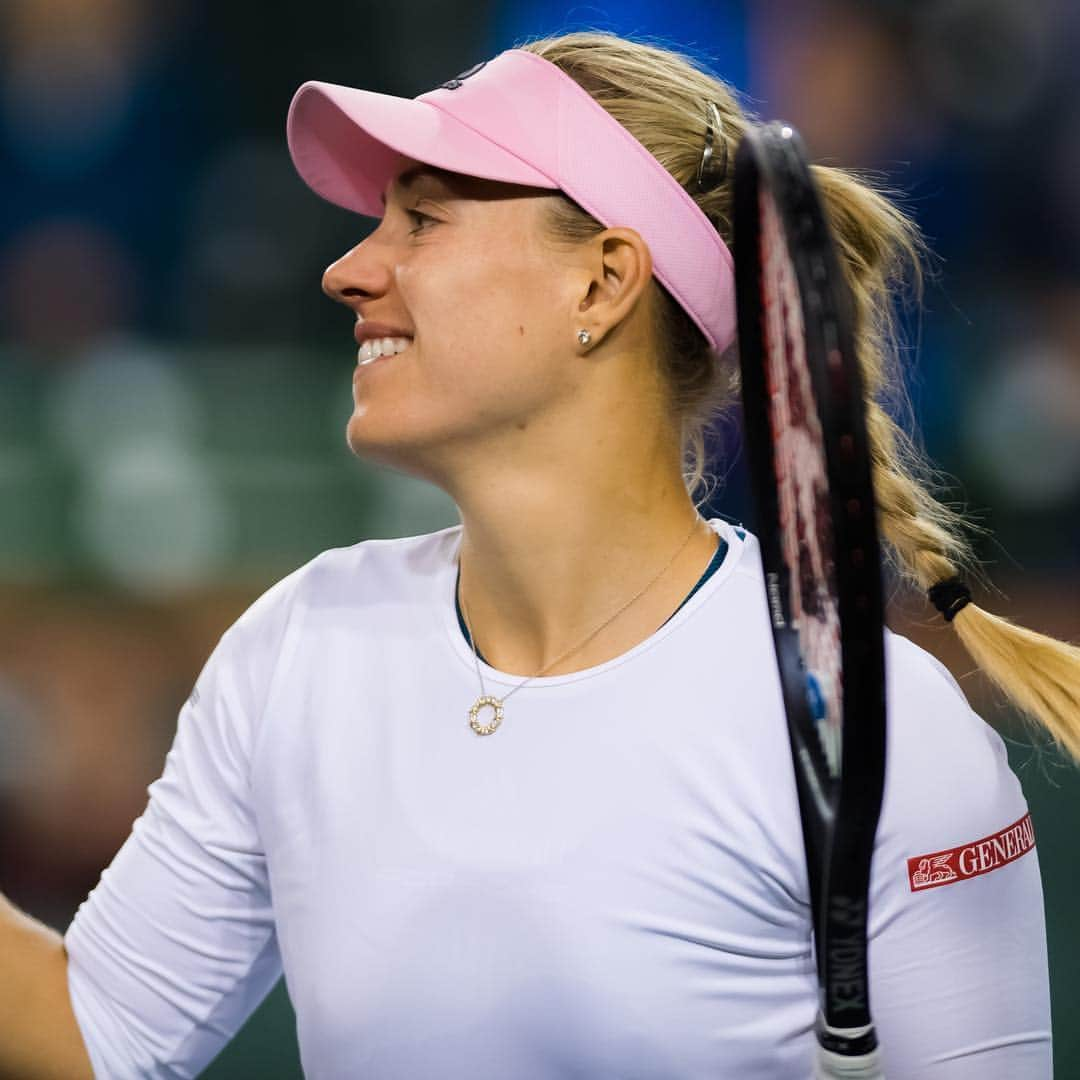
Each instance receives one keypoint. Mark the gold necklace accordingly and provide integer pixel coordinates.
(486, 700)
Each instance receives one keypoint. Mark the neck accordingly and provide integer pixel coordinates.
(535, 584)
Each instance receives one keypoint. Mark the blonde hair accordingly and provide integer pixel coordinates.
(659, 94)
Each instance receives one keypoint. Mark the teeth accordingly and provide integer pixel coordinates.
(376, 347)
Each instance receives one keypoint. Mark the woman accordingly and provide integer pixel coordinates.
(601, 876)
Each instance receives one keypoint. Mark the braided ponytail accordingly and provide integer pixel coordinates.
(1038, 674)
(662, 97)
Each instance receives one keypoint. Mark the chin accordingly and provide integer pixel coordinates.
(402, 456)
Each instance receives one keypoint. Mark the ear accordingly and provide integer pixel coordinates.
(619, 266)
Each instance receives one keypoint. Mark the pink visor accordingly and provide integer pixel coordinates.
(519, 119)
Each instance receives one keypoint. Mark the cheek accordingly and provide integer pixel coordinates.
(478, 307)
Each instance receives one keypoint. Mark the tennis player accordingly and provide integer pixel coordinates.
(514, 800)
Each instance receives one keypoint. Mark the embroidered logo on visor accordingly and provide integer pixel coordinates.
(971, 860)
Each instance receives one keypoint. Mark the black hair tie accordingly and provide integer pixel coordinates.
(949, 597)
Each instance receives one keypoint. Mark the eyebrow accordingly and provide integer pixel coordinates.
(410, 176)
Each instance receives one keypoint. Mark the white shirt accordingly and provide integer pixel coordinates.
(611, 886)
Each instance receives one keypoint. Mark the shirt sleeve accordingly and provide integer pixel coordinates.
(175, 947)
(959, 978)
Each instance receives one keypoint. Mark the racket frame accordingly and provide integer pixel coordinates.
(839, 815)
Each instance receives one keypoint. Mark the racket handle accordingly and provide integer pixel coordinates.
(829, 1065)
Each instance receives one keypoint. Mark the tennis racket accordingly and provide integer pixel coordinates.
(811, 480)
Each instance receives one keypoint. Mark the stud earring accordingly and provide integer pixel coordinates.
(584, 337)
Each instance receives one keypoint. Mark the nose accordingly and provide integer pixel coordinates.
(361, 273)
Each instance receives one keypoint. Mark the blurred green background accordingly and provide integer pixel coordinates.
(174, 385)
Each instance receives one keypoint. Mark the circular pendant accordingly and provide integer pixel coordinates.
(475, 724)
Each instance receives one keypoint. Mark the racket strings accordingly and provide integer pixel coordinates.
(802, 486)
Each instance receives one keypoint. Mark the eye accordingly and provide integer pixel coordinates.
(420, 218)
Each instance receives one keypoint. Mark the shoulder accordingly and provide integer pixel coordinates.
(934, 734)
(326, 591)
(947, 772)
(370, 571)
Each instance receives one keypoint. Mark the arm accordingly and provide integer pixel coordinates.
(958, 971)
(39, 1037)
(176, 945)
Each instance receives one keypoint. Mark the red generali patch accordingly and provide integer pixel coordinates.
(970, 860)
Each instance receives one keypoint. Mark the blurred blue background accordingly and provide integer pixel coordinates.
(174, 385)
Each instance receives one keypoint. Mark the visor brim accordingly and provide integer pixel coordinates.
(347, 144)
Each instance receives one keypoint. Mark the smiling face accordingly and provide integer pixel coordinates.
(490, 304)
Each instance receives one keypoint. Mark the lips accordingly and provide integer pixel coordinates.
(366, 330)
